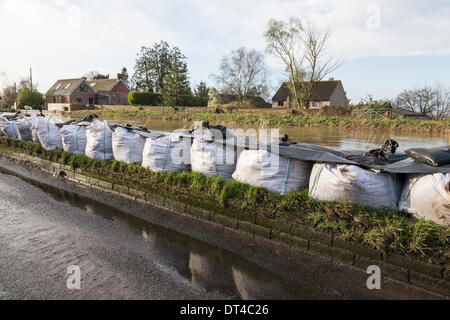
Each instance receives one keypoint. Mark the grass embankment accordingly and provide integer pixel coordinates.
(387, 231)
(274, 120)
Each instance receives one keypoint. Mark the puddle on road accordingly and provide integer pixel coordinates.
(204, 266)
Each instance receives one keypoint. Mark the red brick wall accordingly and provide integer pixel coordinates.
(83, 95)
(118, 95)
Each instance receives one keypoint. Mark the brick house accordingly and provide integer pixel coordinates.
(110, 91)
(70, 92)
(324, 93)
(73, 94)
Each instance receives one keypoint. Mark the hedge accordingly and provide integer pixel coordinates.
(144, 99)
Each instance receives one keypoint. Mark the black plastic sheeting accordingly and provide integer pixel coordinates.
(392, 163)
(434, 156)
(411, 166)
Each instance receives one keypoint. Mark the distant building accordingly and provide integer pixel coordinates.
(324, 93)
(408, 114)
(255, 102)
(73, 94)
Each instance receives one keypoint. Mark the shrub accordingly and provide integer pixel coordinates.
(144, 99)
(28, 97)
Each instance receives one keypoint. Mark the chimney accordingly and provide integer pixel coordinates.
(119, 76)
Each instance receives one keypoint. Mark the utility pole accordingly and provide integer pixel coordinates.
(31, 79)
(15, 96)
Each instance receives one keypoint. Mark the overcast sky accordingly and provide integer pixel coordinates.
(385, 45)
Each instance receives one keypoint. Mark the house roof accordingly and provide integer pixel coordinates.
(64, 87)
(225, 98)
(322, 91)
(405, 112)
(103, 84)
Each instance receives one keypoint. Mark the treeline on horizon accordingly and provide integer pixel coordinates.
(161, 76)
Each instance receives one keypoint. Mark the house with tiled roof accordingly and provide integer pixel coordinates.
(324, 93)
(79, 93)
(110, 91)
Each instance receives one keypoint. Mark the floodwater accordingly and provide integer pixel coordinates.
(336, 138)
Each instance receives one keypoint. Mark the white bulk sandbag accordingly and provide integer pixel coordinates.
(99, 141)
(24, 129)
(213, 159)
(427, 196)
(74, 139)
(34, 133)
(48, 132)
(8, 128)
(351, 183)
(127, 146)
(276, 173)
(167, 153)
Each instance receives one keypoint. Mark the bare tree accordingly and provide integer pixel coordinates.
(9, 96)
(304, 52)
(441, 106)
(417, 100)
(243, 72)
(283, 41)
(430, 101)
(318, 63)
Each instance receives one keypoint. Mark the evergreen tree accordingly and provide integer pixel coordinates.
(175, 89)
(124, 73)
(201, 94)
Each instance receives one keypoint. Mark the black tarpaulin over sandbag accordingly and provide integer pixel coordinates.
(436, 157)
(411, 166)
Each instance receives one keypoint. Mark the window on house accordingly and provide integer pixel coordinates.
(67, 86)
(280, 103)
(58, 86)
(79, 101)
(63, 99)
(54, 99)
(316, 103)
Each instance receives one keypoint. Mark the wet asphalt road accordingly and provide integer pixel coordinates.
(41, 237)
(44, 230)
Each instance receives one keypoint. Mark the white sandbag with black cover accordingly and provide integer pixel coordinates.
(8, 128)
(127, 146)
(275, 173)
(335, 182)
(167, 152)
(99, 141)
(213, 159)
(24, 129)
(427, 196)
(48, 132)
(74, 139)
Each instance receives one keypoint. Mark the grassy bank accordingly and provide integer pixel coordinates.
(273, 120)
(384, 230)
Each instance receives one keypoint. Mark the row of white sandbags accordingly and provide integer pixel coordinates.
(425, 196)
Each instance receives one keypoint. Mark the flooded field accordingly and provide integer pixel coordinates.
(336, 138)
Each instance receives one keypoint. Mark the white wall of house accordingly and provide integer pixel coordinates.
(339, 97)
(58, 106)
